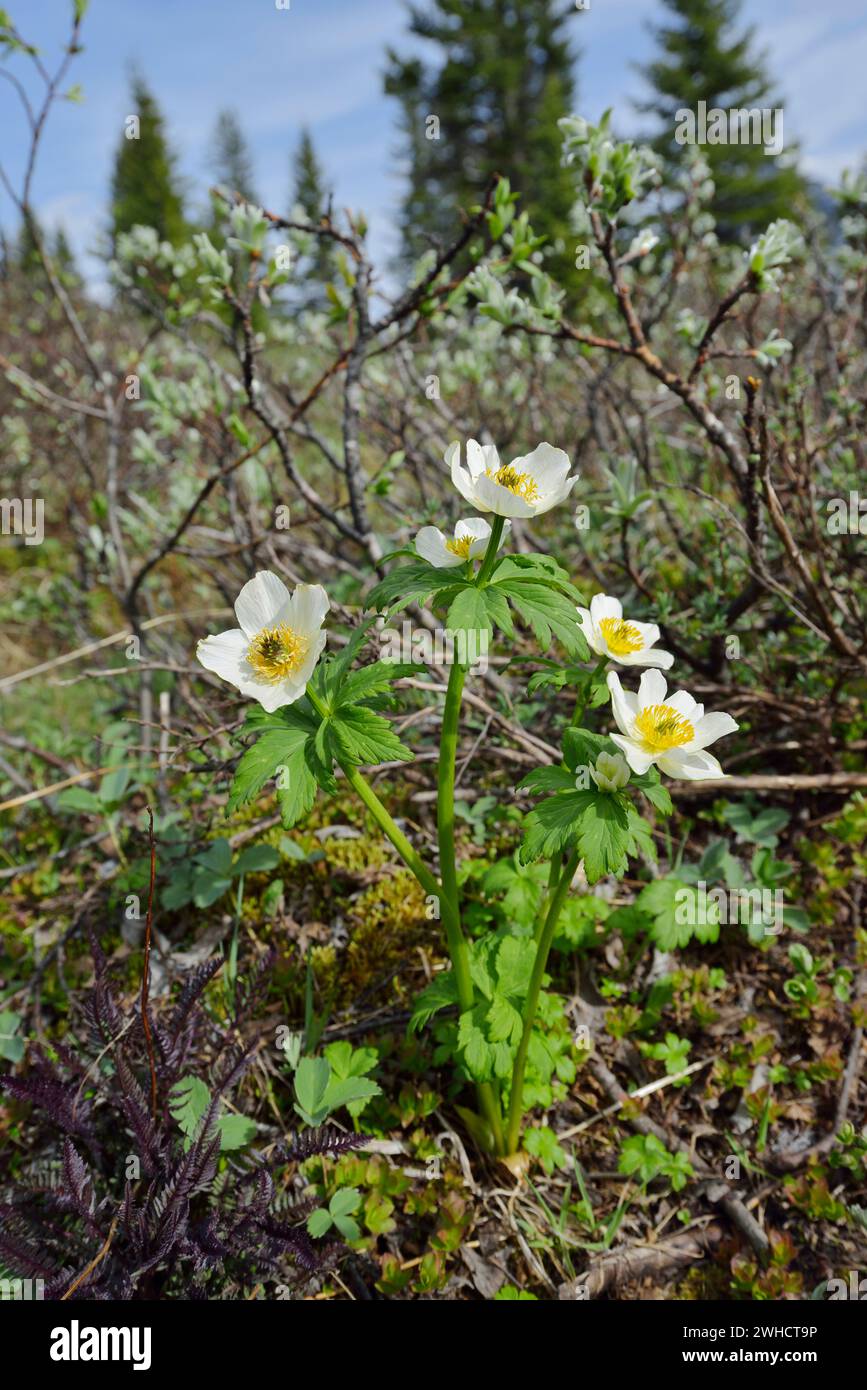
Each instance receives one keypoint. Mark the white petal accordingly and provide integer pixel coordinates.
(685, 704)
(691, 765)
(637, 758)
(588, 627)
(431, 546)
(546, 465)
(648, 632)
(225, 655)
(559, 494)
(461, 479)
(624, 705)
(651, 689)
(493, 497)
(261, 602)
(605, 606)
(474, 526)
(711, 727)
(481, 458)
(307, 608)
(656, 657)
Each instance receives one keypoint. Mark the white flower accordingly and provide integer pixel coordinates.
(609, 634)
(271, 656)
(470, 540)
(528, 486)
(672, 732)
(611, 772)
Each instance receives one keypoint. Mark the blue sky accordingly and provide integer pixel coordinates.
(320, 62)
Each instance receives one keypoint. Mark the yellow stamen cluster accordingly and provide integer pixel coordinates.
(276, 652)
(460, 546)
(661, 727)
(521, 484)
(621, 637)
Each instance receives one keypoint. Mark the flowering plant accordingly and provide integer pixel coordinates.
(315, 717)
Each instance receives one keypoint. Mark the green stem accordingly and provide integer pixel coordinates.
(446, 783)
(581, 705)
(490, 556)
(458, 948)
(448, 907)
(531, 1003)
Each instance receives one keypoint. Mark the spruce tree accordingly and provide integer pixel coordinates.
(231, 159)
(310, 192)
(704, 59)
(145, 187)
(489, 106)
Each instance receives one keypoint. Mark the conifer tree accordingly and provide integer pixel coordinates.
(145, 187)
(231, 159)
(489, 106)
(703, 58)
(310, 192)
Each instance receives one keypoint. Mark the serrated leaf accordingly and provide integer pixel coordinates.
(365, 738)
(312, 1076)
(371, 680)
(581, 748)
(404, 585)
(548, 779)
(547, 611)
(503, 1021)
(189, 1099)
(296, 787)
(344, 1202)
(515, 957)
(342, 1090)
(476, 1052)
(439, 994)
(318, 1222)
(603, 835)
(235, 1131)
(468, 612)
(273, 749)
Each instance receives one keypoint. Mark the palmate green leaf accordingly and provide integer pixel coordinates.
(548, 779)
(274, 748)
(366, 739)
(342, 1091)
(515, 957)
(546, 612)
(468, 612)
(503, 1022)
(522, 886)
(657, 794)
(338, 666)
(404, 585)
(604, 835)
(476, 1052)
(542, 568)
(552, 825)
(639, 840)
(679, 913)
(296, 786)
(439, 994)
(597, 822)
(369, 681)
(497, 607)
(581, 748)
